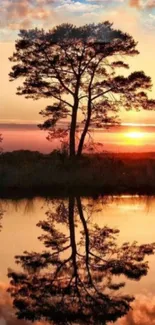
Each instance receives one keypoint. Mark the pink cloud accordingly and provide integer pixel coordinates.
(151, 4)
(143, 312)
(17, 9)
(7, 313)
(21, 13)
(135, 3)
(139, 4)
(20, 9)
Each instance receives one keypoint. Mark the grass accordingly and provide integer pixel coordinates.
(32, 173)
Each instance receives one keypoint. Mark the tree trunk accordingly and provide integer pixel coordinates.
(86, 234)
(72, 150)
(85, 130)
(84, 223)
(72, 233)
(72, 144)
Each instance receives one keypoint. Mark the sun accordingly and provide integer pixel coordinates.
(135, 135)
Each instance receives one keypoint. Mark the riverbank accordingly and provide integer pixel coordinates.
(28, 174)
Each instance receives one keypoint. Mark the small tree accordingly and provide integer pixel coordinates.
(77, 68)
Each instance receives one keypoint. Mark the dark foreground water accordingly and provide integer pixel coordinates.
(75, 269)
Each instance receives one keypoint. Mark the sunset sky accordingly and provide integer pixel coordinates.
(132, 16)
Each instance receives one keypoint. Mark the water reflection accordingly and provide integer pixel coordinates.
(1, 215)
(76, 278)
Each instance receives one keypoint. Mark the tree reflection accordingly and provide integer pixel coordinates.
(1, 216)
(75, 280)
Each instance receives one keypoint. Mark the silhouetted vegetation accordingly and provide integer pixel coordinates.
(56, 173)
(0, 142)
(77, 67)
(75, 280)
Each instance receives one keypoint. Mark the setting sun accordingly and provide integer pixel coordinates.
(136, 138)
(135, 135)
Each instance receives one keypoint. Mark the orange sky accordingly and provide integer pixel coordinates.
(14, 108)
(134, 17)
(128, 18)
(116, 139)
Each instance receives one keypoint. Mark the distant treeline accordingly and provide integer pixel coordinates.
(27, 173)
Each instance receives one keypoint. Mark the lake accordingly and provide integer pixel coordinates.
(70, 265)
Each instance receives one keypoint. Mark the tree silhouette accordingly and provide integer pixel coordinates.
(77, 67)
(0, 142)
(1, 215)
(2, 211)
(74, 280)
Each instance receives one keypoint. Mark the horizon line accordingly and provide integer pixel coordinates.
(138, 124)
(13, 122)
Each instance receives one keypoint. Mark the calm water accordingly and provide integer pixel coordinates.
(73, 233)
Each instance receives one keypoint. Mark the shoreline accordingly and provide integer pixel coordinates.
(54, 193)
(30, 174)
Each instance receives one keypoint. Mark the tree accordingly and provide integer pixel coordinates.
(74, 280)
(1, 210)
(77, 67)
(0, 142)
(1, 215)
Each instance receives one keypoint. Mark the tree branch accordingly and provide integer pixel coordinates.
(72, 66)
(62, 100)
(58, 76)
(101, 94)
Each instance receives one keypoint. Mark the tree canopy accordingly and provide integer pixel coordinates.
(80, 69)
(75, 279)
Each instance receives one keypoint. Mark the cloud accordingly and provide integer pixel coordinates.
(7, 316)
(150, 4)
(104, 1)
(141, 4)
(138, 23)
(149, 23)
(90, 14)
(7, 313)
(129, 23)
(135, 3)
(20, 9)
(16, 14)
(71, 6)
(152, 17)
(143, 312)
(25, 24)
(19, 126)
